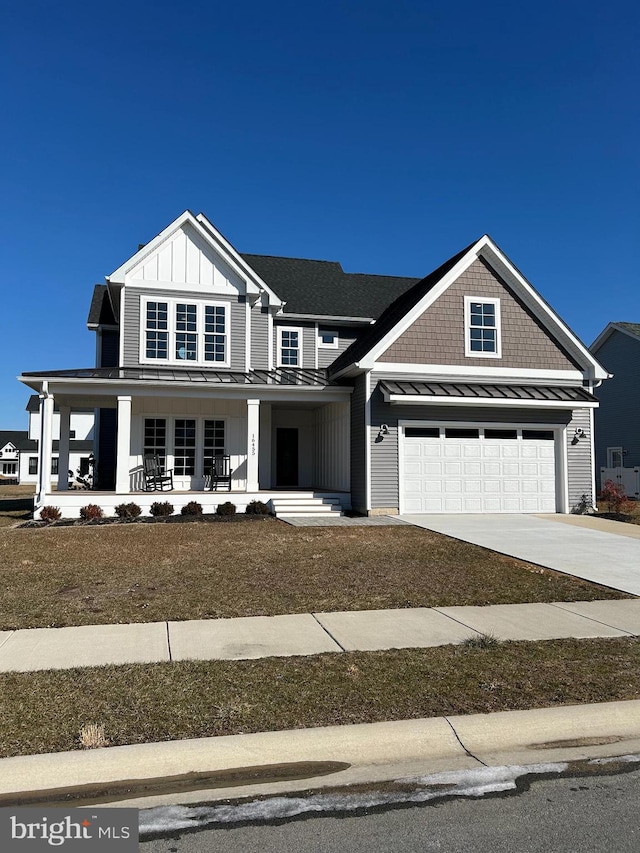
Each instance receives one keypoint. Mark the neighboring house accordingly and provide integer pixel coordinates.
(617, 347)
(11, 443)
(459, 392)
(19, 448)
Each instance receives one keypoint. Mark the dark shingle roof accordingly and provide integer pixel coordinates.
(100, 312)
(18, 437)
(394, 313)
(324, 288)
(634, 328)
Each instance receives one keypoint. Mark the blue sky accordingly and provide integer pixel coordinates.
(385, 134)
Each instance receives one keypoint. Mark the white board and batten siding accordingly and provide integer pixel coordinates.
(332, 447)
(186, 262)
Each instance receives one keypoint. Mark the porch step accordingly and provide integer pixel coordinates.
(306, 506)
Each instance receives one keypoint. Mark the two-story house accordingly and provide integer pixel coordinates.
(459, 392)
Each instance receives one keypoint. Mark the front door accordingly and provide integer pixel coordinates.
(286, 457)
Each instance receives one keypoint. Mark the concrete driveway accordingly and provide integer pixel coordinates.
(598, 555)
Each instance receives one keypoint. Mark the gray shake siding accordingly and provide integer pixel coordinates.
(132, 327)
(384, 450)
(358, 443)
(259, 338)
(437, 337)
(618, 416)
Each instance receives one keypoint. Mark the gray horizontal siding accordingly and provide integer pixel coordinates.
(579, 462)
(131, 325)
(346, 337)
(618, 416)
(259, 338)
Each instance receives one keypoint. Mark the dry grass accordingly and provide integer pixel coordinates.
(144, 573)
(137, 704)
(23, 491)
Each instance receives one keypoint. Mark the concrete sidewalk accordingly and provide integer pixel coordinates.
(310, 634)
(267, 763)
(600, 551)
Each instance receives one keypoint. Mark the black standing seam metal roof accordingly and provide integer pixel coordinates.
(281, 376)
(469, 390)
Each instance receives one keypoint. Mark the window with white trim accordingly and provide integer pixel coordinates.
(328, 338)
(213, 443)
(178, 331)
(482, 327)
(187, 445)
(155, 438)
(289, 347)
(33, 464)
(184, 446)
(615, 457)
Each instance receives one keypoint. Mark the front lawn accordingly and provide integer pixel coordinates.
(144, 573)
(45, 711)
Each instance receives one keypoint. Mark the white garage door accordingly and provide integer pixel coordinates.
(477, 470)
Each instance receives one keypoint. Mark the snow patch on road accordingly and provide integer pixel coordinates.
(459, 783)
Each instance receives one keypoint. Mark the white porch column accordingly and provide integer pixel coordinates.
(123, 446)
(253, 444)
(63, 452)
(46, 443)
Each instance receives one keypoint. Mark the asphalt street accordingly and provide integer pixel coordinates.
(589, 814)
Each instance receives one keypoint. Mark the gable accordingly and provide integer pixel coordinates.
(185, 261)
(438, 335)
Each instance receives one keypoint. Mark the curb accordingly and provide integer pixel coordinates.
(236, 766)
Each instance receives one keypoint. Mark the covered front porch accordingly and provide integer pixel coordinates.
(286, 432)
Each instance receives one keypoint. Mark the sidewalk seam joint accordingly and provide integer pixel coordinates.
(326, 630)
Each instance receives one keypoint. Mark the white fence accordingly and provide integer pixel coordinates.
(628, 478)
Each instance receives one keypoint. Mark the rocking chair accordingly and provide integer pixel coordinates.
(155, 475)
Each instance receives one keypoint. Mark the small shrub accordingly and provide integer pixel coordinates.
(482, 641)
(90, 512)
(613, 496)
(128, 510)
(226, 508)
(50, 513)
(257, 508)
(192, 508)
(161, 508)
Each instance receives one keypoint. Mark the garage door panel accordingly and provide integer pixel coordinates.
(478, 474)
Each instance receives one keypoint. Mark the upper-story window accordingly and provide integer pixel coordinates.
(289, 347)
(175, 332)
(482, 327)
(328, 338)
